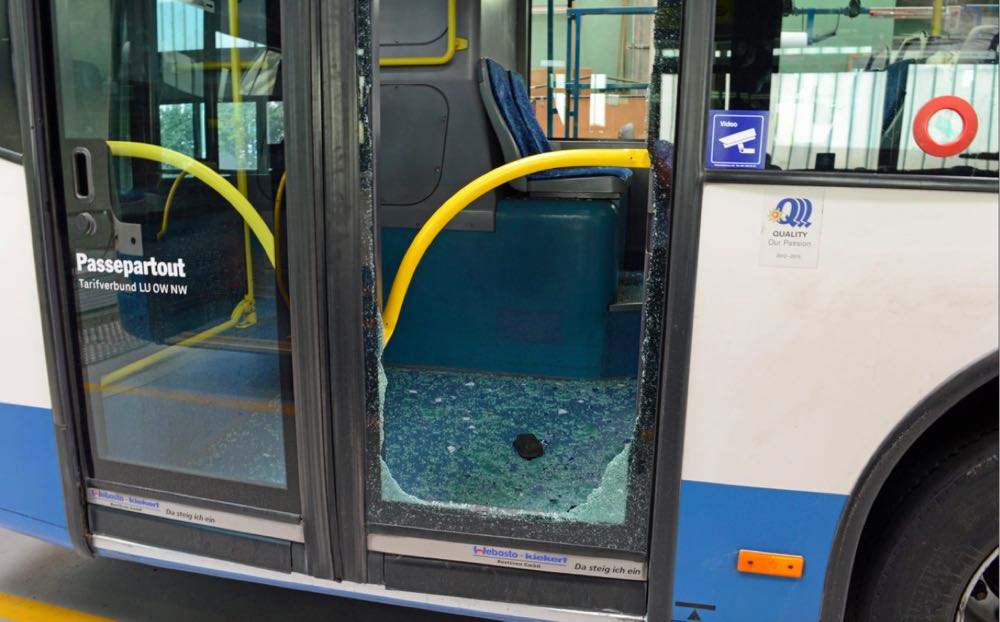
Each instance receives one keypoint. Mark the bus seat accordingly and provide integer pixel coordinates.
(508, 107)
(531, 297)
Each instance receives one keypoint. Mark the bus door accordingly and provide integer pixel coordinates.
(171, 120)
(512, 429)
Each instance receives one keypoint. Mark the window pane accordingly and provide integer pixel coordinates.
(842, 88)
(183, 331)
(238, 136)
(609, 58)
(275, 123)
(177, 127)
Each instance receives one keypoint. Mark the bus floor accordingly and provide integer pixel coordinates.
(216, 409)
(448, 436)
(40, 582)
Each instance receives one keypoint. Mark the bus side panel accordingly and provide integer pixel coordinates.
(30, 493)
(798, 374)
(718, 520)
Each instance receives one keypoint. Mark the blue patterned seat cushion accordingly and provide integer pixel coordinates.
(511, 95)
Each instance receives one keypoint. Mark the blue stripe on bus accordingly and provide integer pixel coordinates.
(717, 520)
(30, 490)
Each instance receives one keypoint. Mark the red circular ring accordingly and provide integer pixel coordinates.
(970, 126)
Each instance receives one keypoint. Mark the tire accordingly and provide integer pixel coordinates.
(940, 535)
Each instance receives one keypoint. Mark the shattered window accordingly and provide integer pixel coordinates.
(516, 394)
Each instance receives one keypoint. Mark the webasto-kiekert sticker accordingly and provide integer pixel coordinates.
(86, 265)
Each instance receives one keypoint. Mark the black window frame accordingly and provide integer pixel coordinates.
(14, 155)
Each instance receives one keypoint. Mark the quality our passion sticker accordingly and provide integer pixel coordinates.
(790, 233)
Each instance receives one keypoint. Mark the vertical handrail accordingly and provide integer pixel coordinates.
(241, 173)
(567, 81)
(550, 74)
(577, 35)
(937, 18)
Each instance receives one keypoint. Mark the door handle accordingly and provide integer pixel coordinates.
(83, 174)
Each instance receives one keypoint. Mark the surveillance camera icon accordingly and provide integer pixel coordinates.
(739, 140)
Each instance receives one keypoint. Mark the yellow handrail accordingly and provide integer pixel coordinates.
(632, 158)
(454, 44)
(218, 65)
(244, 306)
(215, 181)
(241, 171)
(936, 18)
(166, 206)
(278, 196)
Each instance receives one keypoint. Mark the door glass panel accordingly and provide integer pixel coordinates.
(183, 335)
(516, 395)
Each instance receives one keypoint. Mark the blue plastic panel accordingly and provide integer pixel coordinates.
(718, 520)
(30, 490)
(530, 298)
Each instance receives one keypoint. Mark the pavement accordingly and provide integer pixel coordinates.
(40, 582)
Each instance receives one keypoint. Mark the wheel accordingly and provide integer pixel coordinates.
(936, 557)
(980, 602)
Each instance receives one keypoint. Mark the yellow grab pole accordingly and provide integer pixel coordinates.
(216, 66)
(278, 196)
(166, 206)
(215, 181)
(177, 348)
(631, 158)
(241, 170)
(937, 18)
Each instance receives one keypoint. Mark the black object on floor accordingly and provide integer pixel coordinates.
(528, 446)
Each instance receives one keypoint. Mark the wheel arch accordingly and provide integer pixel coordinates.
(935, 409)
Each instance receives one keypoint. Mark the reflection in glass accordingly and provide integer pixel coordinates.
(843, 83)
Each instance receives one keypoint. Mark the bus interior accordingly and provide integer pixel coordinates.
(523, 321)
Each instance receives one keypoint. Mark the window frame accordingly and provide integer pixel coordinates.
(852, 179)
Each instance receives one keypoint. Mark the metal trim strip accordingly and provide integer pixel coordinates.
(194, 515)
(508, 557)
(132, 551)
(851, 179)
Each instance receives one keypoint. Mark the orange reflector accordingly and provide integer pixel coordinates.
(773, 564)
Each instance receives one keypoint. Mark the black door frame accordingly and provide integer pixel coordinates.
(694, 82)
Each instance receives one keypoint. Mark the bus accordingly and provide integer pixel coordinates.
(527, 310)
